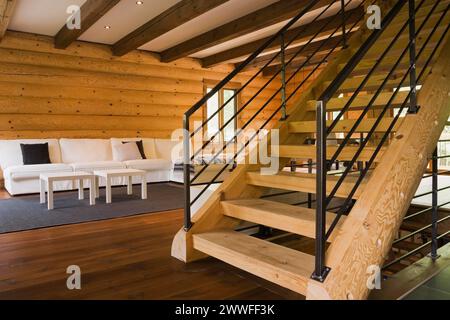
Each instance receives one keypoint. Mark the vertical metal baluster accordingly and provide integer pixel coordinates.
(435, 212)
(283, 78)
(321, 271)
(413, 108)
(344, 31)
(187, 174)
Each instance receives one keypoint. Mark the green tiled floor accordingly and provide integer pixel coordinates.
(437, 288)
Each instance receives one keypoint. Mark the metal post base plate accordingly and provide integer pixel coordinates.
(433, 257)
(323, 276)
(414, 111)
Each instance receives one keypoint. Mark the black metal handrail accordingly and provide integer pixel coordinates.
(188, 156)
(323, 163)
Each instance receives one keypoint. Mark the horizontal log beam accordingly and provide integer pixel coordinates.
(278, 12)
(91, 11)
(299, 35)
(172, 18)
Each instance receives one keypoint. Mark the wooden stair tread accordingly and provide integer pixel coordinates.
(286, 267)
(309, 152)
(361, 102)
(281, 216)
(302, 182)
(344, 125)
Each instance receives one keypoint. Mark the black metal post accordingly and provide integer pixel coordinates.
(293, 165)
(187, 173)
(413, 108)
(283, 78)
(344, 21)
(434, 212)
(360, 166)
(321, 271)
(310, 162)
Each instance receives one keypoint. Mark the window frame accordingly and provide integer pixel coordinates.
(210, 84)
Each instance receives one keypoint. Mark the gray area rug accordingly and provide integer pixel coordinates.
(26, 213)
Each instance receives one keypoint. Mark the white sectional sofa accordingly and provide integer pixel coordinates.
(67, 155)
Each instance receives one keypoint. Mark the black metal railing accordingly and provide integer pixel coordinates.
(350, 21)
(324, 129)
(429, 232)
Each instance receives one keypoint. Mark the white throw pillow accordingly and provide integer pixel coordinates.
(127, 152)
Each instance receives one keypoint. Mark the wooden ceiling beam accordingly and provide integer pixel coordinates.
(91, 11)
(300, 34)
(6, 11)
(172, 18)
(277, 12)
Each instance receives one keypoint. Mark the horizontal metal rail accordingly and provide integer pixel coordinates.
(416, 214)
(412, 252)
(430, 192)
(409, 235)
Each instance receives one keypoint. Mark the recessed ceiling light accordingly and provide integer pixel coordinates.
(107, 27)
(139, 3)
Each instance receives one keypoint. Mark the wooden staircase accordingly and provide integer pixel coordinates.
(362, 238)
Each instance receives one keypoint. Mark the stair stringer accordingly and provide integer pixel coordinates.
(210, 216)
(366, 236)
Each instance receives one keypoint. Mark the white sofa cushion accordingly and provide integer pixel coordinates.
(148, 143)
(127, 151)
(149, 164)
(85, 150)
(18, 173)
(97, 165)
(168, 149)
(11, 154)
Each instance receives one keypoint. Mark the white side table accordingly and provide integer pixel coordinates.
(47, 180)
(128, 174)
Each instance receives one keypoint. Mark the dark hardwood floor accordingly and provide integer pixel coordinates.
(4, 194)
(125, 258)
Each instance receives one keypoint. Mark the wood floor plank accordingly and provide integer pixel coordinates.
(124, 258)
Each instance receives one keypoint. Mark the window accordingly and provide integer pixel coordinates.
(225, 115)
(444, 148)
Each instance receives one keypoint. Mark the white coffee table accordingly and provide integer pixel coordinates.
(128, 174)
(47, 180)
